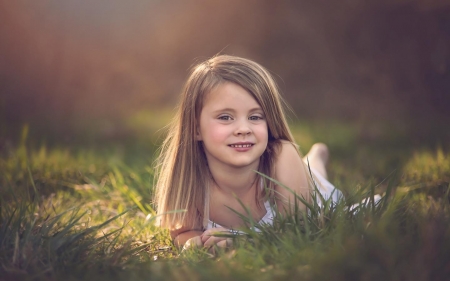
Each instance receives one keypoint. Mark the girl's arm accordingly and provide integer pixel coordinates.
(290, 170)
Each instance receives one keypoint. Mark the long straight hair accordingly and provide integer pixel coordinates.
(182, 172)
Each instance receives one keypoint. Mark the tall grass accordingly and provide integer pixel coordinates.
(84, 215)
(62, 212)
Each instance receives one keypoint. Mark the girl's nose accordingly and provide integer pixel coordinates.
(243, 129)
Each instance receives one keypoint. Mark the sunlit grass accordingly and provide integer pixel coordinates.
(428, 172)
(86, 213)
(70, 211)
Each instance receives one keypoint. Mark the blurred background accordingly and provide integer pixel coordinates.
(110, 70)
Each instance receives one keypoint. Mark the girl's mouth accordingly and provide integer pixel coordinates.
(246, 145)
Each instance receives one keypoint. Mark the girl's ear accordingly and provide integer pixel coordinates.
(198, 136)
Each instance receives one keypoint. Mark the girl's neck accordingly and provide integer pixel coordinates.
(236, 182)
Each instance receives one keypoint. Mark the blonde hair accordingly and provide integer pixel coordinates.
(182, 172)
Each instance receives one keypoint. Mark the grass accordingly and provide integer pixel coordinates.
(86, 214)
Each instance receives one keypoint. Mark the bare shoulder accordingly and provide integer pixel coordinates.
(288, 154)
(290, 171)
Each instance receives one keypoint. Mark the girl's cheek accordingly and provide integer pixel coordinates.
(262, 131)
(219, 136)
(218, 133)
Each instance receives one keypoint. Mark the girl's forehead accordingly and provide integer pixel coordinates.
(229, 92)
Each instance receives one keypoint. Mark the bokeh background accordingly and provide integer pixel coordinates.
(101, 70)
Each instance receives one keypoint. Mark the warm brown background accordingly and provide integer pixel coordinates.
(66, 65)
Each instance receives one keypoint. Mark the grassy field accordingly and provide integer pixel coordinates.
(84, 212)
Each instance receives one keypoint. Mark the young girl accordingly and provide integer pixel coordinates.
(230, 124)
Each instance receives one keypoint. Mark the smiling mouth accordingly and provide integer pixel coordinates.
(241, 145)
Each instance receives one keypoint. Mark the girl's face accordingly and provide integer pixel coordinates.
(232, 127)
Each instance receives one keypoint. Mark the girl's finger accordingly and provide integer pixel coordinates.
(222, 244)
(212, 241)
(209, 242)
(210, 232)
(204, 237)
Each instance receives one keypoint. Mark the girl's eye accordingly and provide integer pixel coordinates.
(255, 118)
(225, 117)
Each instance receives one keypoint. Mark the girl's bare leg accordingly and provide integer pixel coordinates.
(318, 158)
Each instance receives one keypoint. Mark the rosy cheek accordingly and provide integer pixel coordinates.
(262, 131)
(218, 135)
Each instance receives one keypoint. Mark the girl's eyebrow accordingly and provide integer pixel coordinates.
(234, 110)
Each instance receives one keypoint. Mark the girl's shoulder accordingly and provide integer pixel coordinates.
(287, 154)
(290, 169)
(286, 149)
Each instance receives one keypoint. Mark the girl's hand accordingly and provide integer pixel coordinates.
(195, 241)
(209, 240)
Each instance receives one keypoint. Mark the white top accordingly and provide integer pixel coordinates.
(267, 219)
(327, 189)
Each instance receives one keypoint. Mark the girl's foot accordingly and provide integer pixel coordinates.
(317, 157)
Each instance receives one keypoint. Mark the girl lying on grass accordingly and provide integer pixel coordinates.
(230, 124)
